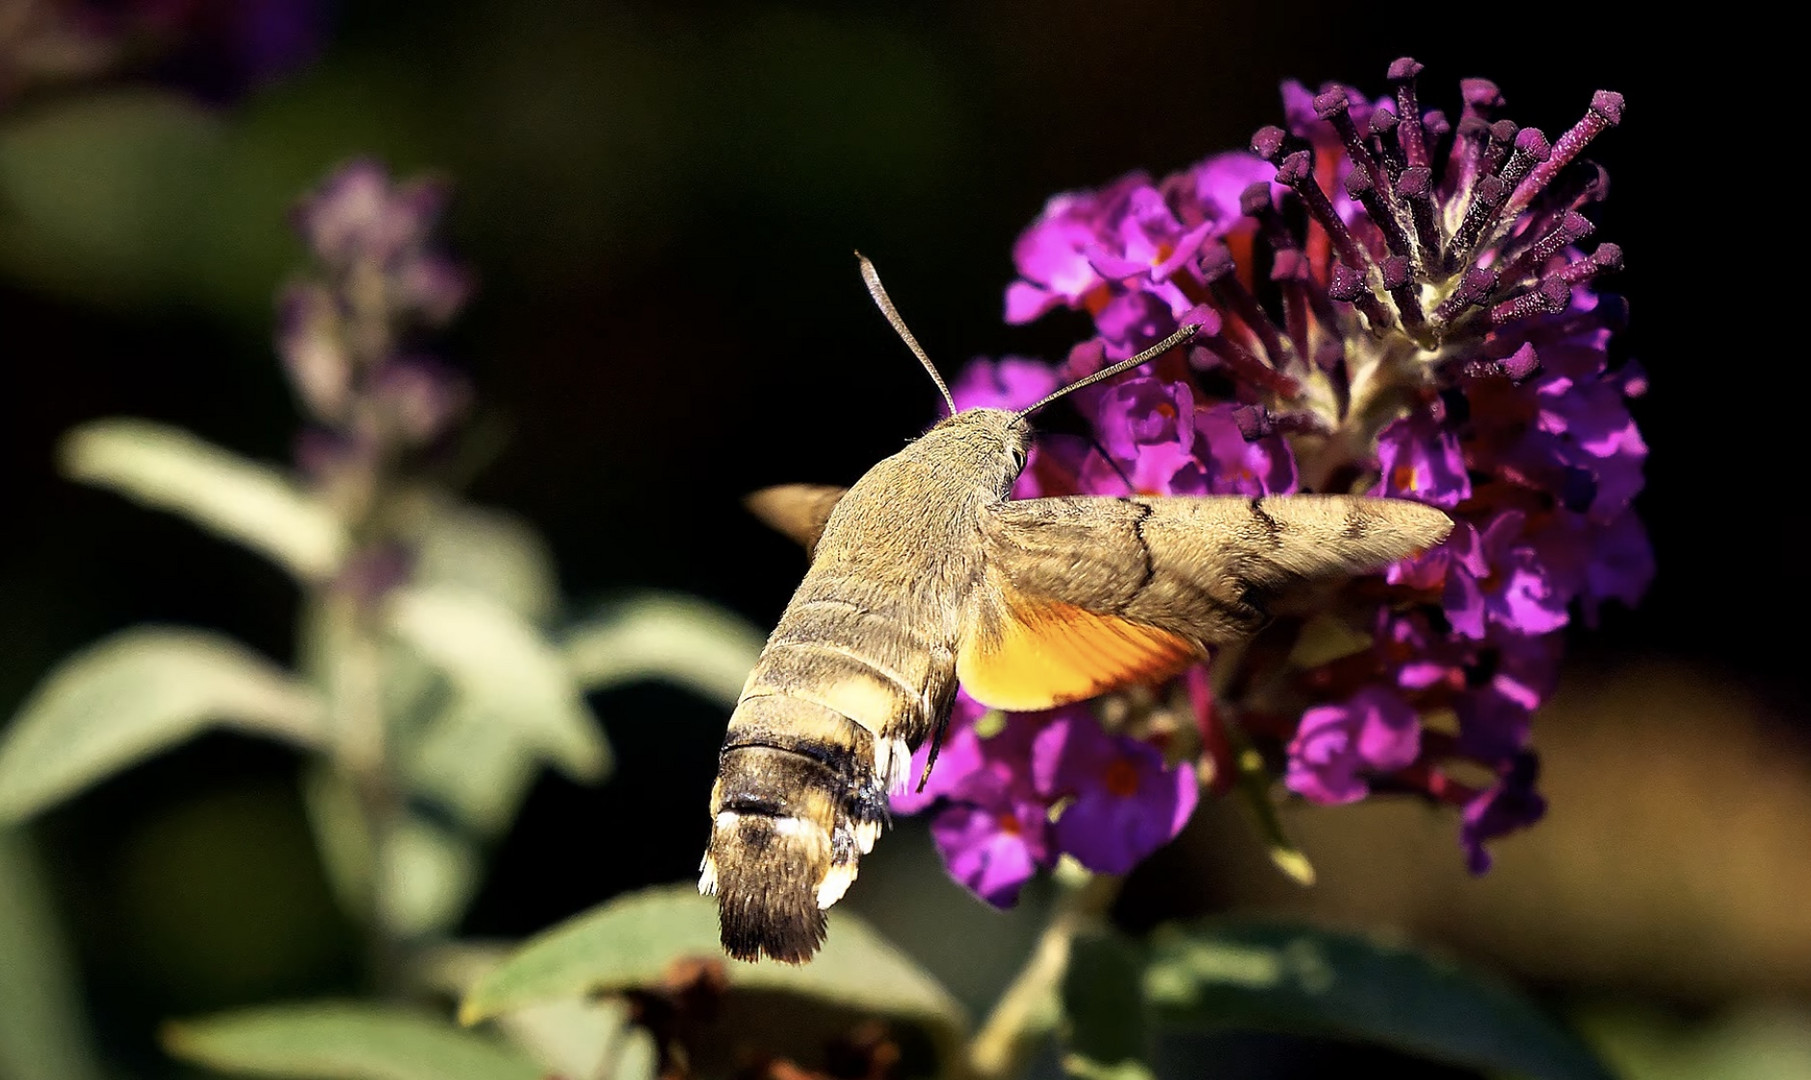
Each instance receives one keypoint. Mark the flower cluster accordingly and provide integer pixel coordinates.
(347, 337)
(1391, 303)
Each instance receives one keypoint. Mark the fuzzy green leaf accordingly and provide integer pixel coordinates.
(630, 942)
(515, 702)
(245, 501)
(574, 1036)
(1312, 981)
(43, 1035)
(492, 553)
(431, 873)
(679, 639)
(134, 694)
(344, 1041)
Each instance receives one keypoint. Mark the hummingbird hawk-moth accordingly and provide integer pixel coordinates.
(927, 573)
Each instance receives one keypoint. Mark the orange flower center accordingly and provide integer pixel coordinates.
(1122, 778)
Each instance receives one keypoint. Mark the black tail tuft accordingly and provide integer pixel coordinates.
(767, 891)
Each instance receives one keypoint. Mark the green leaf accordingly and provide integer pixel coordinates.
(43, 1034)
(430, 875)
(573, 1037)
(344, 1041)
(474, 766)
(510, 684)
(1106, 1026)
(244, 501)
(679, 639)
(134, 694)
(630, 941)
(1312, 981)
(342, 834)
(492, 553)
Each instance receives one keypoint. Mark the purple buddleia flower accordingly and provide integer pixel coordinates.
(992, 823)
(1388, 302)
(1011, 383)
(1509, 804)
(1418, 459)
(993, 840)
(1337, 746)
(1121, 800)
(1500, 579)
(1239, 464)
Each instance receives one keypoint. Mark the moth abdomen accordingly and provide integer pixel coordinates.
(796, 803)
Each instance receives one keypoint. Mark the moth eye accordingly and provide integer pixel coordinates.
(1018, 460)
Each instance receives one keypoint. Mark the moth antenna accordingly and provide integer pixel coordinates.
(881, 300)
(1144, 357)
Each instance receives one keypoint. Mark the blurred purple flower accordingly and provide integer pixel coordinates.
(1012, 383)
(993, 841)
(347, 339)
(1420, 460)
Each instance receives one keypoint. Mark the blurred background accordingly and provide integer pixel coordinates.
(660, 201)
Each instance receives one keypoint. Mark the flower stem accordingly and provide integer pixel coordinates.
(348, 662)
(1030, 1008)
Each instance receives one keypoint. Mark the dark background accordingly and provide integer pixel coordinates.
(660, 202)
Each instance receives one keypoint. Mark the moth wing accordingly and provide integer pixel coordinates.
(797, 510)
(1085, 594)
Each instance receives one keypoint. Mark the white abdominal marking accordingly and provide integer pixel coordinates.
(836, 882)
(892, 764)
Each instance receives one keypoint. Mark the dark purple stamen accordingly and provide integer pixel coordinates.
(1486, 202)
(1268, 143)
(1399, 282)
(1496, 149)
(1415, 190)
(1217, 270)
(1474, 288)
(1297, 171)
(1410, 134)
(1550, 298)
(1348, 286)
(1384, 148)
(1605, 113)
(1243, 364)
(1568, 231)
(1531, 148)
(1362, 189)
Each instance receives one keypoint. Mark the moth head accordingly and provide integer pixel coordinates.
(993, 443)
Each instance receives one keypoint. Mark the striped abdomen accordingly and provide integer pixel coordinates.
(823, 732)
